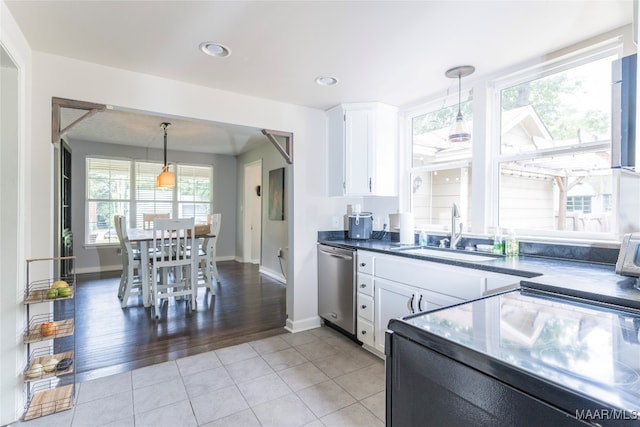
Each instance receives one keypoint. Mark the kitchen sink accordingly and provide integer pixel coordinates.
(448, 254)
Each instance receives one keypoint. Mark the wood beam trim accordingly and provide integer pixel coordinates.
(287, 150)
(56, 115)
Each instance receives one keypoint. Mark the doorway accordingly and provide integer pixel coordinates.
(252, 218)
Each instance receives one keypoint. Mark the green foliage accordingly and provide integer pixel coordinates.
(557, 100)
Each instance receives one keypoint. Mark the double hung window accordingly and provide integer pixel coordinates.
(555, 148)
(108, 194)
(440, 169)
(544, 143)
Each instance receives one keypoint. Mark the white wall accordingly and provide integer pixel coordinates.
(43, 76)
(68, 78)
(15, 211)
(274, 233)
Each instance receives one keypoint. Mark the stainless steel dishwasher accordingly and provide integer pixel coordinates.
(336, 287)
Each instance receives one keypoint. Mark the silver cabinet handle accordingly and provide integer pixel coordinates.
(411, 303)
(420, 303)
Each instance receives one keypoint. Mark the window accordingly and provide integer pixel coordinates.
(441, 170)
(540, 157)
(555, 149)
(149, 198)
(579, 204)
(194, 192)
(109, 192)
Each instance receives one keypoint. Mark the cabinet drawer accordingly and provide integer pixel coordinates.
(365, 331)
(365, 262)
(365, 284)
(365, 307)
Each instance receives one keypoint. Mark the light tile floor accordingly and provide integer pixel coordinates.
(312, 378)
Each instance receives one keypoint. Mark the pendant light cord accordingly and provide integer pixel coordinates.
(165, 125)
(459, 93)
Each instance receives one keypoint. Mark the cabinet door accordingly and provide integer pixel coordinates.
(358, 151)
(392, 300)
(428, 301)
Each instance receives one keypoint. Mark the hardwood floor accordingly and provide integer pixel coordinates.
(247, 306)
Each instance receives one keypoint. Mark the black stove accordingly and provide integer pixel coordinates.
(572, 354)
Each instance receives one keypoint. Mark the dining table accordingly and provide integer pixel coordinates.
(143, 237)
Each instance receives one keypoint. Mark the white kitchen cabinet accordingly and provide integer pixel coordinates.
(365, 305)
(403, 286)
(363, 150)
(392, 300)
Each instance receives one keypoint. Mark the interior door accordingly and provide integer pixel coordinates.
(252, 218)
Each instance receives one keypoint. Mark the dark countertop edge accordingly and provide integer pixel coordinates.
(573, 279)
(486, 266)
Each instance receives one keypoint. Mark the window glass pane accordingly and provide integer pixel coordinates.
(434, 192)
(430, 136)
(194, 192)
(100, 224)
(569, 193)
(149, 198)
(108, 179)
(108, 191)
(569, 107)
(556, 130)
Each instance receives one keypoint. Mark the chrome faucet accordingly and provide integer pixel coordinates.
(455, 238)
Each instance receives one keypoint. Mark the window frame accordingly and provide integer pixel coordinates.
(88, 200)
(575, 58)
(438, 102)
(486, 134)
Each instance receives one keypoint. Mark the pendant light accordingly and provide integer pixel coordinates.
(166, 178)
(459, 131)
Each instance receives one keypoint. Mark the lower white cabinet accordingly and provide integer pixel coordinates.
(391, 286)
(393, 300)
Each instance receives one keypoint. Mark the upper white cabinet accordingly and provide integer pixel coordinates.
(363, 150)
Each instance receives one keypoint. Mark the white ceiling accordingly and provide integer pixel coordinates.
(388, 51)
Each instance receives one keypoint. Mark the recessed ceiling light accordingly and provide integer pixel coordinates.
(215, 49)
(326, 81)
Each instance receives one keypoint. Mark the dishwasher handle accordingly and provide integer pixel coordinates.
(335, 255)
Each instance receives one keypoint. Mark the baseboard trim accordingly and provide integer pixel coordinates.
(273, 274)
(100, 269)
(294, 326)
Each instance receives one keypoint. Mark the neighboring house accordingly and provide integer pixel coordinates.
(564, 189)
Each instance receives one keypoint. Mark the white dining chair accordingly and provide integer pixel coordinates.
(148, 219)
(207, 256)
(132, 267)
(172, 236)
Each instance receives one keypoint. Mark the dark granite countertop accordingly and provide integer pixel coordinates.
(587, 280)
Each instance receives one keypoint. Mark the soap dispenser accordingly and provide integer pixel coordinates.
(511, 245)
